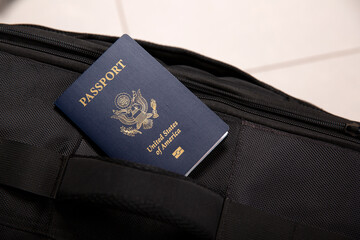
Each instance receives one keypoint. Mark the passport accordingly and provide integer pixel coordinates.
(134, 109)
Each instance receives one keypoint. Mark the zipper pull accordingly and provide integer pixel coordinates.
(353, 129)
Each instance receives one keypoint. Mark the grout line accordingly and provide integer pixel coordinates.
(122, 17)
(304, 60)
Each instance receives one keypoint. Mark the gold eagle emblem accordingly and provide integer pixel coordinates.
(133, 110)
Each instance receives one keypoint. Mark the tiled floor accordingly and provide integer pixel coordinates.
(309, 49)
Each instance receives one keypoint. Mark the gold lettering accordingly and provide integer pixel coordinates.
(121, 64)
(89, 97)
(102, 81)
(112, 76)
(98, 86)
(94, 91)
(158, 151)
(158, 145)
(151, 147)
(83, 101)
(169, 129)
(116, 70)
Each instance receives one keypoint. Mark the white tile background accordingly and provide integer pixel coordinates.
(309, 49)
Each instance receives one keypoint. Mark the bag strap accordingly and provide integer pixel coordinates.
(29, 168)
(163, 197)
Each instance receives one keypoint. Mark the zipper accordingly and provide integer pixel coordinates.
(54, 52)
(347, 131)
(353, 129)
(52, 41)
(87, 56)
(73, 52)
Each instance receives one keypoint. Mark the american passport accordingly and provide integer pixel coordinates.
(134, 109)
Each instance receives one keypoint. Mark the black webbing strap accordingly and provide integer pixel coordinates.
(163, 197)
(30, 168)
(159, 196)
(243, 222)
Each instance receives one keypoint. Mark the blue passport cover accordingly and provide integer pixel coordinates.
(136, 110)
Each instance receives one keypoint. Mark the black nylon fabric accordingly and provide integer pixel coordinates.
(16, 234)
(162, 197)
(244, 222)
(28, 89)
(31, 169)
(216, 172)
(24, 211)
(298, 178)
(84, 221)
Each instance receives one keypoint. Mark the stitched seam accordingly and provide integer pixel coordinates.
(298, 137)
(225, 222)
(234, 163)
(60, 173)
(286, 133)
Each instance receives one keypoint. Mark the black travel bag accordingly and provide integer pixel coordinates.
(287, 169)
